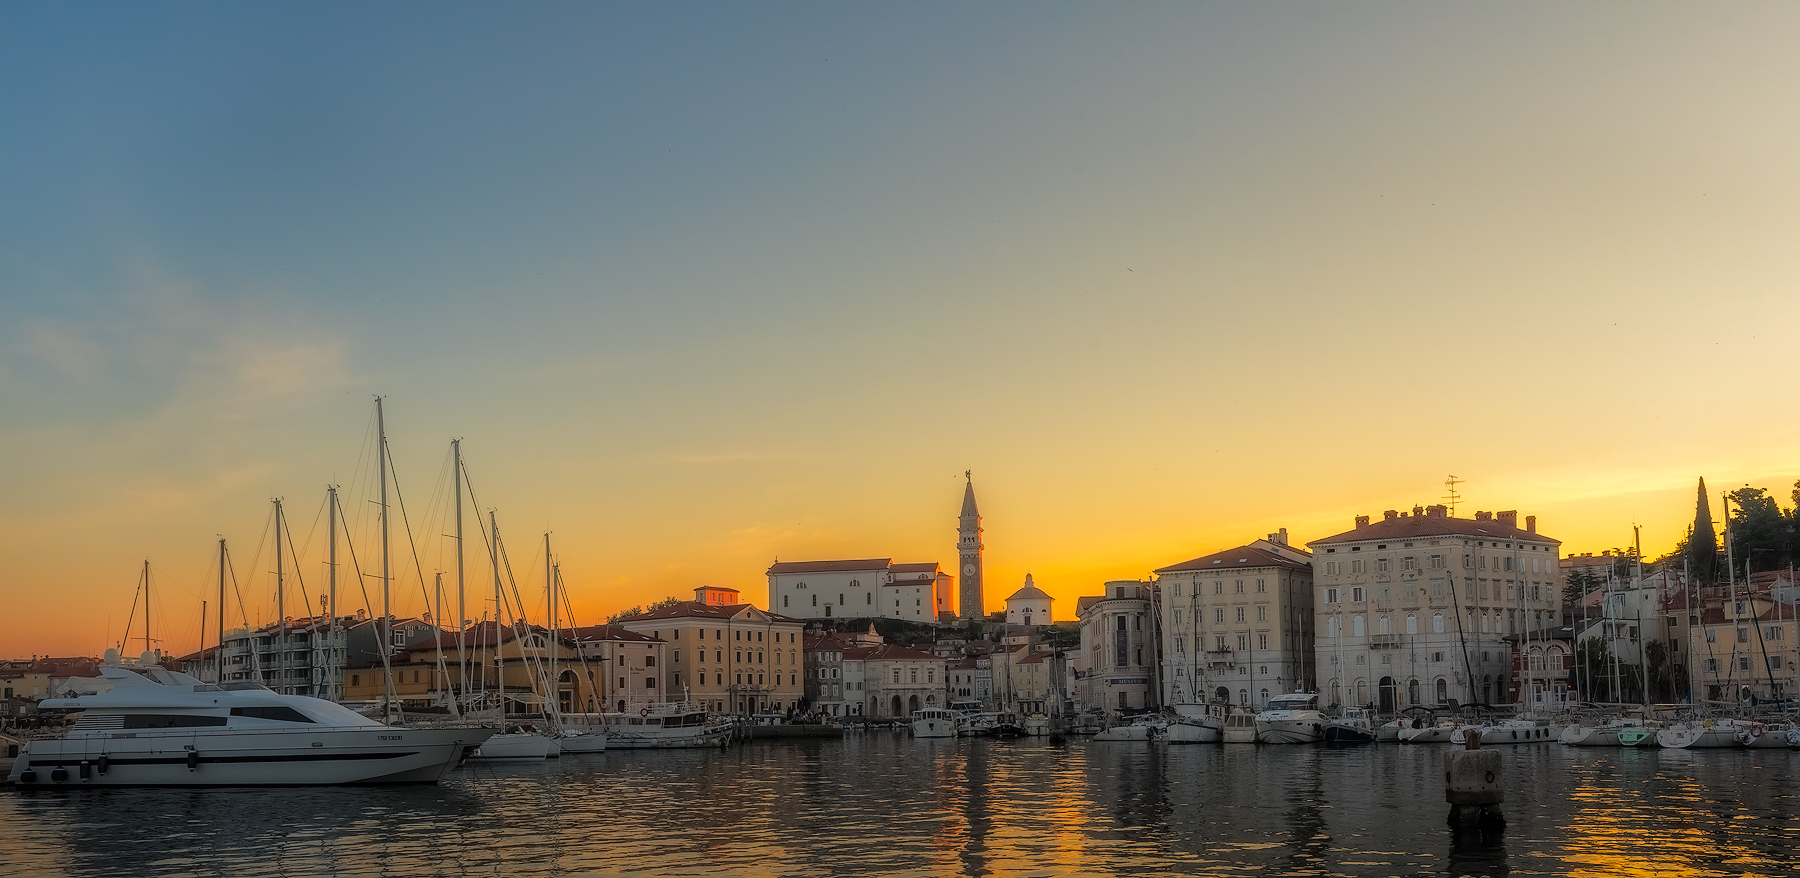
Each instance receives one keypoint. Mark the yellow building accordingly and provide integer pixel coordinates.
(728, 657)
(502, 663)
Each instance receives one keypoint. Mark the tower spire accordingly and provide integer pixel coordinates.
(970, 604)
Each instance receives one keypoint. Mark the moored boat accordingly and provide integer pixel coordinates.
(1351, 726)
(149, 726)
(1290, 719)
(934, 722)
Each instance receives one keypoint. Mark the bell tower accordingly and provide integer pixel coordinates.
(968, 547)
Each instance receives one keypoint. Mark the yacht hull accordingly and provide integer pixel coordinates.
(1195, 732)
(1288, 731)
(203, 758)
(1590, 736)
(1688, 736)
(934, 728)
(1344, 735)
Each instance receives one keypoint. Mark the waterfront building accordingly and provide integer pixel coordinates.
(626, 668)
(1118, 646)
(728, 656)
(1738, 643)
(1414, 609)
(484, 666)
(1029, 606)
(824, 674)
(860, 588)
(899, 679)
(1237, 625)
(308, 656)
(1541, 661)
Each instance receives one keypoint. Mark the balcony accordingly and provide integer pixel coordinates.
(1384, 641)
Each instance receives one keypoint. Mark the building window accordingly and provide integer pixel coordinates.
(1243, 641)
(1218, 588)
(1262, 613)
(1218, 615)
(1262, 641)
(896, 675)
(1331, 595)
(1240, 614)
(1437, 623)
(1357, 594)
(1381, 565)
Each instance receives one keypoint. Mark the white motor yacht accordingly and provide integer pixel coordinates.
(1290, 719)
(934, 722)
(150, 726)
(656, 727)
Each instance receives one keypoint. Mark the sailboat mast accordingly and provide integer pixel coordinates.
(333, 678)
(219, 654)
(147, 605)
(387, 618)
(553, 702)
(280, 607)
(462, 613)
(499, 652)
(1731, 579)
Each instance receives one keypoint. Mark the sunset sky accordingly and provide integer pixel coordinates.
(703, 286)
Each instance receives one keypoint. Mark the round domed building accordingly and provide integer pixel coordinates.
(1028, 606)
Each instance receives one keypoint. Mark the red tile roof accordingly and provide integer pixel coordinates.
(1240, 557)
(922, 567)
(888, 651)
(829, 566)
(606, 632)
(1419, 526)
(698, 610)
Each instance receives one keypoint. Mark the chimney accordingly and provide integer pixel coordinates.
(1510, 517)
(1531, 524)
(1390, 515)
(1438, 511)
(1418, 511)
(1279, 537)
(1484, 516)
(1362, 521)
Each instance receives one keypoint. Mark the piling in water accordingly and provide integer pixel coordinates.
(1472, 785)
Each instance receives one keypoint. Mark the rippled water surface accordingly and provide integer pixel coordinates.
(885, 804)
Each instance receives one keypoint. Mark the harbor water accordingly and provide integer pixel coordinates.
(887, 804)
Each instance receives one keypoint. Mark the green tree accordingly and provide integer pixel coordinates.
(1761, 531)
(1578, 583)
(1700, 548)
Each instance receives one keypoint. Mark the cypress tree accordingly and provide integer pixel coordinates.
(1703, 543)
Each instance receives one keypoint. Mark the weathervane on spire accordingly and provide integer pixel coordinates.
(969, 474)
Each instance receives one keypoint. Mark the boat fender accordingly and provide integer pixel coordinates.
(193, 759)
(103, 762)
(59, 774)
(1756, 730)
(644, 712)
(1515, 734)
(27, 776)
(87, 771)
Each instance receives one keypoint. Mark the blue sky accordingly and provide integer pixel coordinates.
(702, 285)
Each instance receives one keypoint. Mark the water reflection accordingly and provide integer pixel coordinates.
(889, 805)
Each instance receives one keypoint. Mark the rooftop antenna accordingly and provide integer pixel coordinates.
(1450, 485)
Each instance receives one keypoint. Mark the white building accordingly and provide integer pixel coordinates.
(860, 589)
(1118, 645)
(1414, 609)
(1238, 624)
(1029, 605)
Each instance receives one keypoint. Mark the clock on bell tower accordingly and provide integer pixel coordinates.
(969, 603)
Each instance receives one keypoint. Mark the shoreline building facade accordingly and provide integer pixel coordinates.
(1118, 647)
(867, 588)
(1238, 625)
(1414, 609)
(730, 657)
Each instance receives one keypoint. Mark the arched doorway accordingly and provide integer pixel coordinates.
(621, 705)
(1386, 694)
(1443, 691)
(912, 704)
(1362, 691)
(1412, 691)
(896, 705)
(1222, 694)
